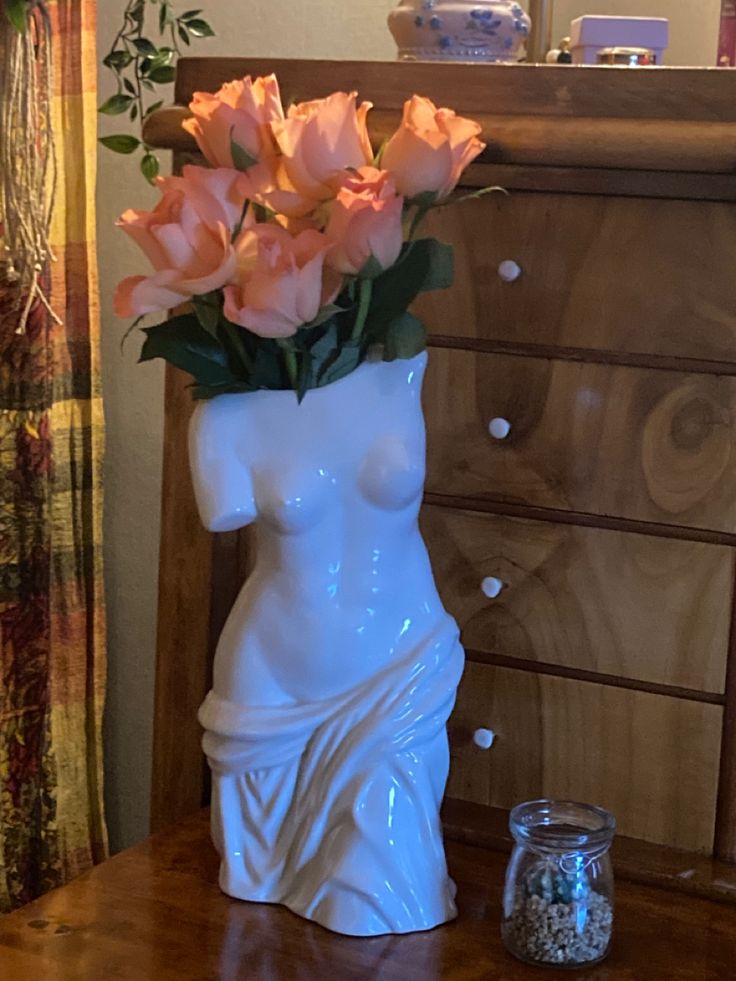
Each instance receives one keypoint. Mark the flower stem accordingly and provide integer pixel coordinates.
(419, 216)
(292, 368)
(364, 305)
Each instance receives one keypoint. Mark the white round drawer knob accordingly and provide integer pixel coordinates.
(509, 271)
(492, 587)
(499, 428)
(484, 738)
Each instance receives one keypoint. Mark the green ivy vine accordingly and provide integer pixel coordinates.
(139, 65)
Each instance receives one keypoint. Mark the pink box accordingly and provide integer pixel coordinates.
(727, 37)
(591, 33)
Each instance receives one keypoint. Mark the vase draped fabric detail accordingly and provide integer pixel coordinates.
(305, 775)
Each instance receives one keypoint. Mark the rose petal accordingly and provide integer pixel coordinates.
(138, 295)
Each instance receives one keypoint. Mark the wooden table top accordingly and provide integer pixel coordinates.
(154, 913)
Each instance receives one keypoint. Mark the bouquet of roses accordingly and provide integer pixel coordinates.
(297, 247)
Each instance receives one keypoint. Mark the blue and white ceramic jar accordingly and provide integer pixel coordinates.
(460, 30)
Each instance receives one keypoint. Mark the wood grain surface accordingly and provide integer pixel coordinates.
(155, 913)
(183, 639)
(651, 760)
(163, 129)
(725, 840)
(635, 144)
(651, 609)
(666, 94)
(628, 442)
(614, 274)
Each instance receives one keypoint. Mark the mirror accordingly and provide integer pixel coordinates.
(694, 27)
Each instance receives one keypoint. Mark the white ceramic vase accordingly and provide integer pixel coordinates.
(460, 30)
(337, 670)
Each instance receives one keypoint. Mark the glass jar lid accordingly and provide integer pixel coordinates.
(559, 827)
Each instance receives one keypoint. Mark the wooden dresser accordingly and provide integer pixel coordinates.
(605, 504)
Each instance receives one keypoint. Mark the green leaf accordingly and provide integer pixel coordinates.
(379, 155)
(268, 366)
(332, 358)
(346, 359)
(425, 200)
(181, 31)
(154, 107)
(208, 308)
(238, 343)
(129, 331)
(115, 104)
(129, 86)
(423, 265)
(207, 392)
(162, 74)
(117, 60)
(17, 13)
(474, 195)
(405, 337)
(183, 342)
(305, 377)
(242, 160)
(150, 167)
(144, 47)
(149, 85)
(200, 28)
(137, 13)
(440, 259)
(372, 269)
(190, 14)
(164, 56)
(324, 344)
(121, 143)
(134, 112)
(165, 16)
(325, 314)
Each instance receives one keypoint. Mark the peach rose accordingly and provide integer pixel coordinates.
(220, 183)
(431, 149)
(187, 239)
(242, 111)
(268, 184)
(279, 284)
(321, 139)
(365, 220)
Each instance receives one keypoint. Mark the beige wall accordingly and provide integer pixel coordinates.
(693, 25)
(133, 394)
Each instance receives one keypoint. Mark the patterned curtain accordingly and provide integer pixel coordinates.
(52, 648)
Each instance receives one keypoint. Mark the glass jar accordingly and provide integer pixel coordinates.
(558, 899)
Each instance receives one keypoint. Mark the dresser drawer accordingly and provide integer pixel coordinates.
(623, 274)
(651, 609)
(630, 442)
(652, 760)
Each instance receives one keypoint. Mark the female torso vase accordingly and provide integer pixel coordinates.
(337, 670)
